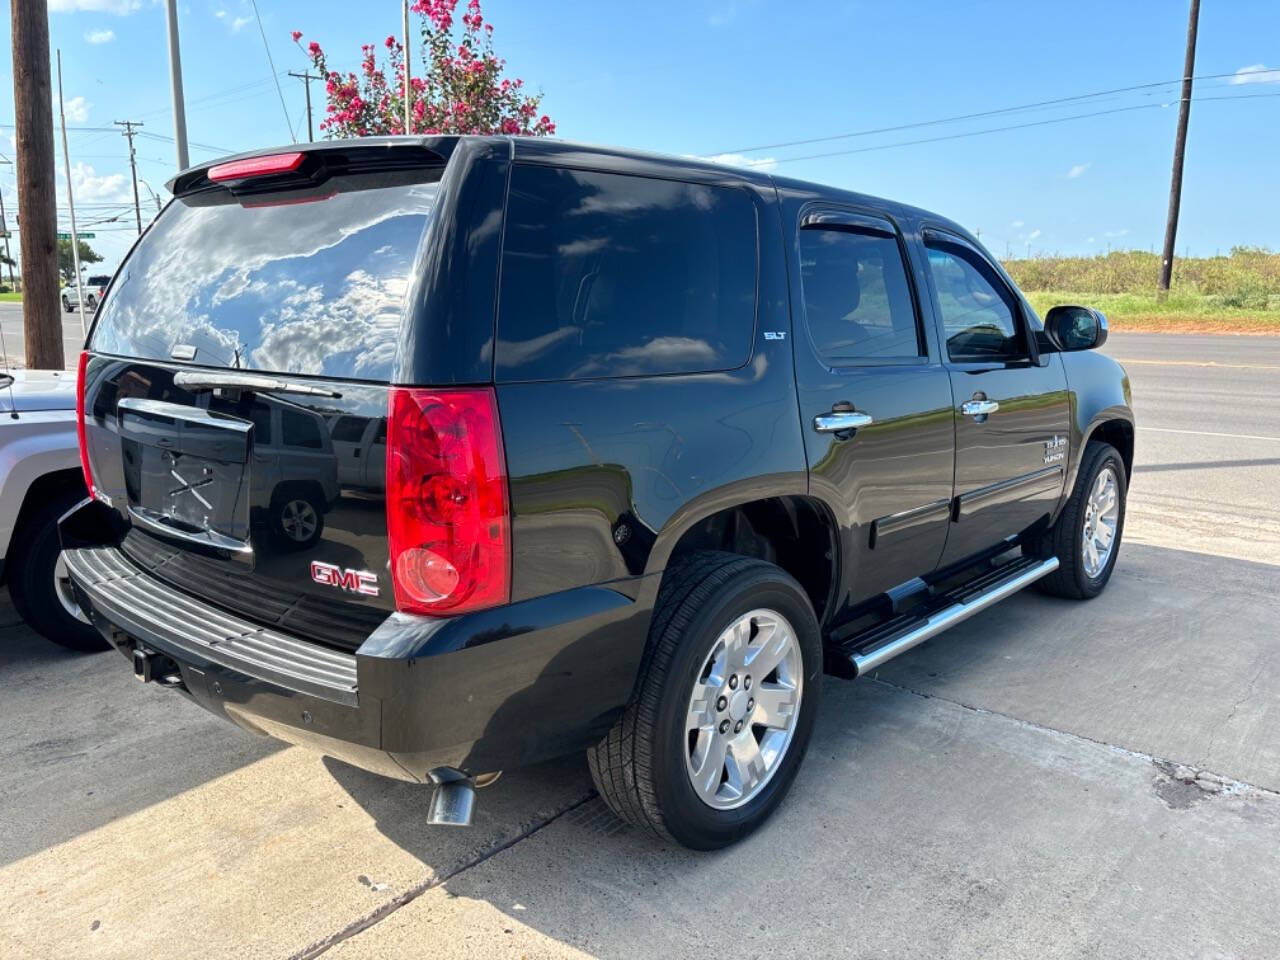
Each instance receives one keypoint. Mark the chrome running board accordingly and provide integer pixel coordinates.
(882, 642)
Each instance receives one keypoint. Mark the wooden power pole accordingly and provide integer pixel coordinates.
(33, 106)
(1179, 149)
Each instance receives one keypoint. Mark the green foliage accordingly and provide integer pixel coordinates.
(1248, 278)
(66, 264)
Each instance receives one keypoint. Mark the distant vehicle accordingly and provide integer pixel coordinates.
(40, 480)
(95, 287)
(631, 451)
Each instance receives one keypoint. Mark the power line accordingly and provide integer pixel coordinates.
(977, 133)
(1058, 101)
(266, 46)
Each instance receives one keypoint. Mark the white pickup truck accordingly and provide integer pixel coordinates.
(40, 479)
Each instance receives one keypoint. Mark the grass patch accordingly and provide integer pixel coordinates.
(1180, 312)
(1238, 293)
(10, 297)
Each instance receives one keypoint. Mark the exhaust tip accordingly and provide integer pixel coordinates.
(452, 804)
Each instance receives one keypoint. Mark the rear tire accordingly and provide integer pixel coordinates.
(66, 305)
(46, 604)
(1082, 572)
(649, 767)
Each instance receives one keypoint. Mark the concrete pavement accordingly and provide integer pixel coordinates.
(1050, 779)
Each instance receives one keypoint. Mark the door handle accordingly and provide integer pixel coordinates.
(840, 421)
(979, 408)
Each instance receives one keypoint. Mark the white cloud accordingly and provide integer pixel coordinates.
(1257, 73)
(1123, 231)
(90, 187)
(1091, 240)
(121, 8)
(100, 36)
(741, 160)
(1017, 224)
(221, 14)
(1033, 235)
(239, 23)
(77, 109)
(1078, 170)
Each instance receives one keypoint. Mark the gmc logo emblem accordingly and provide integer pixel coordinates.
(357, 581)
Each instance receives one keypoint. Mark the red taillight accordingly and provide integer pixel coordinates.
(255, 167)
(80, 430)
(448, 526)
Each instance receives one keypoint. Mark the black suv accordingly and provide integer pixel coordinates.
(629, 451)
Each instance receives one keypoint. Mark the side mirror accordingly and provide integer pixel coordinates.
(1076, 328)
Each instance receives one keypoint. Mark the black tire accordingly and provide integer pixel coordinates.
(91, 302)
(30, 567)
(66, 305)
(639, 768)
(1065, 539)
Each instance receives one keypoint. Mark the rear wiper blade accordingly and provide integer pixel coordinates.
(232, 380)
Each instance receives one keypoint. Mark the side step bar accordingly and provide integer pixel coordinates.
(869, 649)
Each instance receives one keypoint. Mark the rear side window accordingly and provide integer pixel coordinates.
(277, 282)
(609, 275)
(857, 300)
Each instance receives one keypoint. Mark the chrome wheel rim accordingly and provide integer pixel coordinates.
(62, 589)
(743, 709)
(299, 520)
(1101, 517)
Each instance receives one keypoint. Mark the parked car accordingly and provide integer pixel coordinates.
(40, 479)
(95, 288)
(664, 441)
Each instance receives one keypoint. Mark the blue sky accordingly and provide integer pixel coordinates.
(709, 77)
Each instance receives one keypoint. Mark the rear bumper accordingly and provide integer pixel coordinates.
(490, 691)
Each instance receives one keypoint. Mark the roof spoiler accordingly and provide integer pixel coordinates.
(318, 162)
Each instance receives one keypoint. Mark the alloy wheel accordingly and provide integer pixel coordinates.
(743, 709)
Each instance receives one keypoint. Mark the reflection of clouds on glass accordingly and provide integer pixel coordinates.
(659, 355)
(312, 288)
(309, 330)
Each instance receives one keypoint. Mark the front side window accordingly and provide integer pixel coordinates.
(610, 275)
(979, 317)
(857, 300)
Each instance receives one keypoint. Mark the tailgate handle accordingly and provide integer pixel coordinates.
(235, 380)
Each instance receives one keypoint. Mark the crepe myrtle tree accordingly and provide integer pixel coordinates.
(459, 88)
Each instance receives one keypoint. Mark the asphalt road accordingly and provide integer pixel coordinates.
(14, 347)
(1050, 779)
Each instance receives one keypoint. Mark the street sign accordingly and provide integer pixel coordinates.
(82, 236)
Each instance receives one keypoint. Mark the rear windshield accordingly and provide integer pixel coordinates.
(269, 282)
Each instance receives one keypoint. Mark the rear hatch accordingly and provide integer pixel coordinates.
(237, 379)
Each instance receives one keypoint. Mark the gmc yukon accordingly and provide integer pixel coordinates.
(446, 455)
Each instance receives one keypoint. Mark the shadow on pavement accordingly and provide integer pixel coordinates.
(83, 743)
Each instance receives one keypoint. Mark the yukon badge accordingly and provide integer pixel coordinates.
(1055, 449)
(357, 581)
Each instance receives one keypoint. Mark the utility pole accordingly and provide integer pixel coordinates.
(408, 87)
(133, 166)
(33, 112)
(175, 84)
(4, 228)
(71, 205)
(1179, 149)
(306, 77)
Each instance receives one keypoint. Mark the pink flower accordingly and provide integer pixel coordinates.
(314, 48)
(297, 35)
(391, 42)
